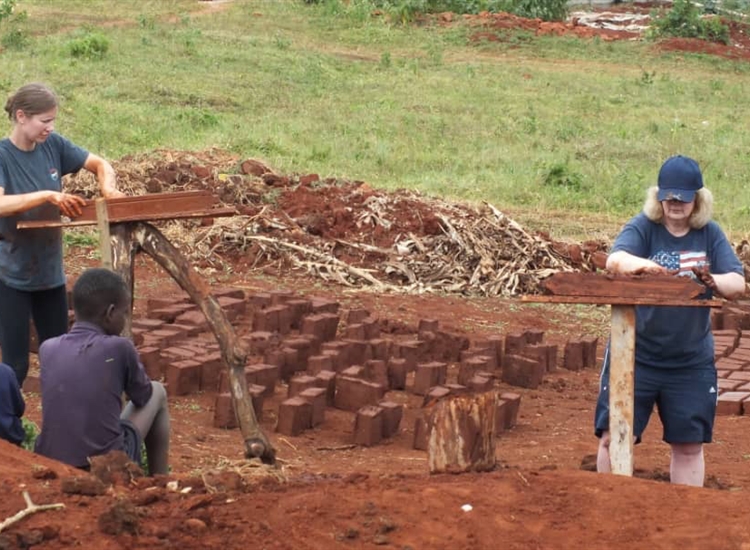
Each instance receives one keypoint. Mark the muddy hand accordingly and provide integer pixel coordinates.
(69, 205)
(705, 277)
(651, 270)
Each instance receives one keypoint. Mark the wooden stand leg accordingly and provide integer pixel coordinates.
(123, 255)
(152, 242)
(105, 243)
(622, 389)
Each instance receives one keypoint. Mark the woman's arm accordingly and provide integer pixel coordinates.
(625, 263)
(105, 175)
(728, 285)
(69, 205)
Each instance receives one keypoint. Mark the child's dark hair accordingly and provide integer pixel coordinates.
(95, 290)
(33, 99)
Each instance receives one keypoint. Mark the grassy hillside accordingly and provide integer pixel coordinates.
(569, 133)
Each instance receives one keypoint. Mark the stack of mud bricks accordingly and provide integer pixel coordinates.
(731, 331)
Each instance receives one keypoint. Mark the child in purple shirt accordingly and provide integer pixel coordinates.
(83, 376)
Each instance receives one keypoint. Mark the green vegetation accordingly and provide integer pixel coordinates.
(563, 133)
(684, 20)
(407, 10)
(31, 431)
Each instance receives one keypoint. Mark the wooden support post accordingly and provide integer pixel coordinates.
(621, 389)
(105, 242)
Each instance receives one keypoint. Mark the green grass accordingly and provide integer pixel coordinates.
(566, 133)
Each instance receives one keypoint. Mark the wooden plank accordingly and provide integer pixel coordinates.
(622, 389)
(158, 206)
(154, 207)
(655, 287)
(105, 242)
(615, 300)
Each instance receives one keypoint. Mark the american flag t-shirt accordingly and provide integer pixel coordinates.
(682, 261)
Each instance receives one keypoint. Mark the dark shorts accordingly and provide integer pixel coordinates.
(131, 441)
(685, 399)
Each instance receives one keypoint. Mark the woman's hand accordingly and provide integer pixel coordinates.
(69, 205)
(705, 277)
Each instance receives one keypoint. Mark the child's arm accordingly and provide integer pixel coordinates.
(137, 383)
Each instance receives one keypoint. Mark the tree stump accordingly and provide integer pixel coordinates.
(462, 434)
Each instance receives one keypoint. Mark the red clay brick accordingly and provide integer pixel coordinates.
(730, 402)
(573, 355)
(295, 416)
(480, 383)
(353, 393)
(183, 377)
(381, 348)
(421, 435)
(317, 399)
(264, 375)
(300, 383)
(522, 371)
(326, 379)
(324, 305)
(356, 315)
(355, 331)
(211, 366)
(376, 371)
(397, 371)
(317, 363)
(224, 416)
(514, 401)
(392, 415)
(368, 426)
(533, 336)
(514, 343)
(151, 359)
(590, 344)
(428, 375)
(298, 308)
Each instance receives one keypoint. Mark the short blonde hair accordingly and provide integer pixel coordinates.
(702, 213)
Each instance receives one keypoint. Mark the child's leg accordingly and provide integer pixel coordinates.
(152, 422)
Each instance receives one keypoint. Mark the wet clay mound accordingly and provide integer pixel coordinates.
(508, 508)
(349, 233)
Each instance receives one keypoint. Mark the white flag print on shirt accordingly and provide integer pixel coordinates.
(682, 261)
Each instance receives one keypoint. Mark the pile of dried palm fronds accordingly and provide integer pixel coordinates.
(476, 251)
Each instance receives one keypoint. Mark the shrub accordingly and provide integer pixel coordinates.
(684, 20)
(31, 431)
(89, 45)
(407, 10)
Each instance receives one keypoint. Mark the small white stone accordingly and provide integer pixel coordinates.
(467, 507)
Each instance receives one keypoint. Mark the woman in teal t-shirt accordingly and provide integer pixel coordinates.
(33, 161)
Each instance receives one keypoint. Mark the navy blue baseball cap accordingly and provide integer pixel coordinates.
(679, 178)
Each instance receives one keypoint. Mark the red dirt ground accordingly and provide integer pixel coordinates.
(329, 493)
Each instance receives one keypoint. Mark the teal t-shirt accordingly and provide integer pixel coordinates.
(32, 259)
(672, 337)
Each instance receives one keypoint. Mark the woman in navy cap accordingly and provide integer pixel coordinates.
(674, 349)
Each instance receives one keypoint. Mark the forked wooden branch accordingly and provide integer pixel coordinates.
(134, 236)
(31, 508)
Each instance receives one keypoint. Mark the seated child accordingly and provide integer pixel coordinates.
(12, 406)
(83, 376)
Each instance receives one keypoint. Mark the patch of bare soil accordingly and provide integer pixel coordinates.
(627, 21)
(328, 492)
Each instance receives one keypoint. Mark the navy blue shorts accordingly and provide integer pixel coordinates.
(685, 399)
(131, 441)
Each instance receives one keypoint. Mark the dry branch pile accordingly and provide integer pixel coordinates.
(349, 233)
